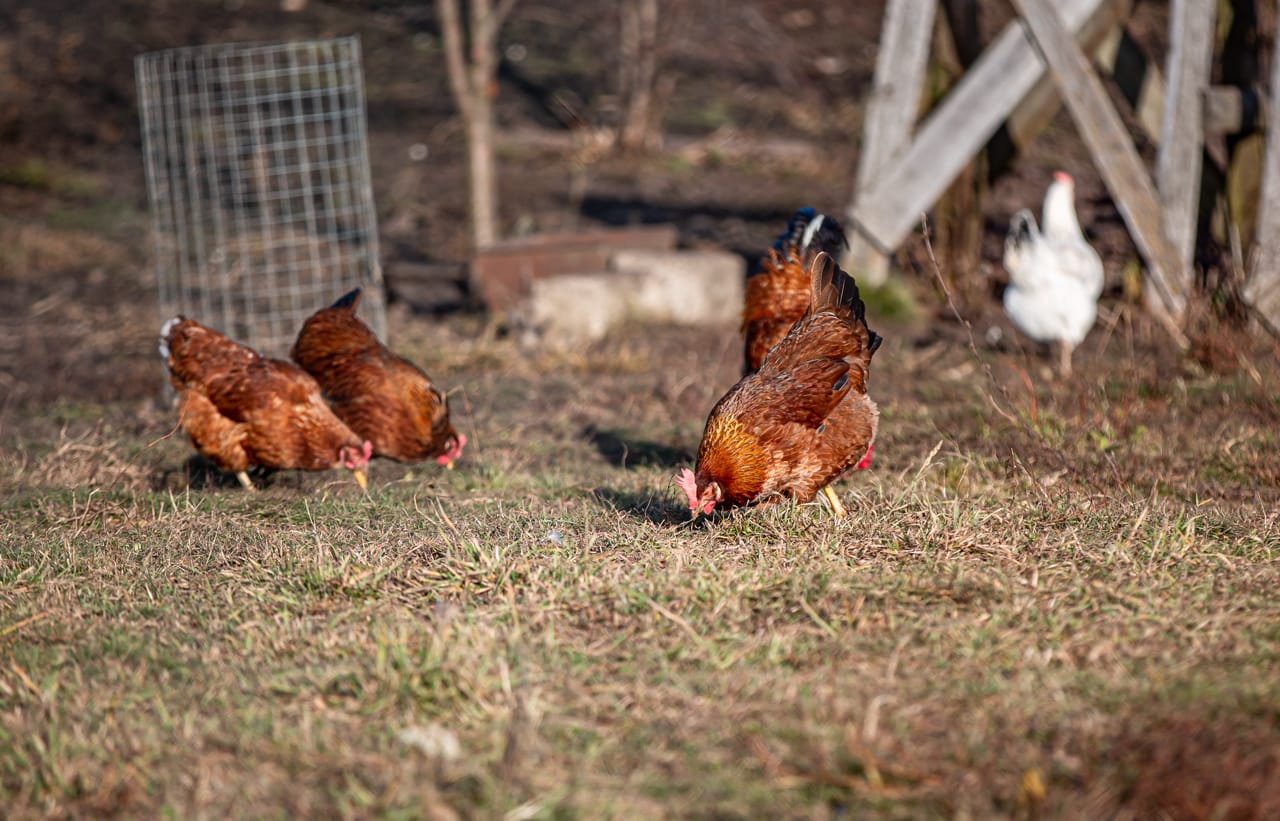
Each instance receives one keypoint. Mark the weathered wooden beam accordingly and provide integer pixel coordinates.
(891, 205)
(1111, 148)
(1262, 291)
(1182, 129)
(1231, 110)
(1226, 109)
(1137, 77)
(891, 113)
(1100, 36)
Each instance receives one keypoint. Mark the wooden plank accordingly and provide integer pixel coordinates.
(953, 134)
(1100, 36)
(1119, 56)
(1232, 110)
(1111, 148)
(891, 113)
(1182, 129)
(1138, 79)
(1262, 291)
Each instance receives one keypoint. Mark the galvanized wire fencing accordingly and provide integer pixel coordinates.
(258, 174)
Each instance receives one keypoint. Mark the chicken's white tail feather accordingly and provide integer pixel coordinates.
(164, 337)
(809, 230)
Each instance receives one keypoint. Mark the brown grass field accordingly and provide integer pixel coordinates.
(1053, 599)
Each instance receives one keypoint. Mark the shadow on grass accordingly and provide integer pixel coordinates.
(657, 506)
(198, 473)
(618, 449)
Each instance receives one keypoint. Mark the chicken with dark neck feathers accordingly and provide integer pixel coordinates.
(779, 295)
(803, 419)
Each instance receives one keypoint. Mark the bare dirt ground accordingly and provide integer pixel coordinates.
(765, 114)
(1053, 599)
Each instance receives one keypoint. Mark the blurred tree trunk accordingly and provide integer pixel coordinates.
(638, 57)
(471, 59)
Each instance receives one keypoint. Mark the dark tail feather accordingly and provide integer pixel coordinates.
(807, 230)
(834, 288)
(349, 300)
(1022, 228)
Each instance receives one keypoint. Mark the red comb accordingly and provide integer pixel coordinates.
(1062, 176)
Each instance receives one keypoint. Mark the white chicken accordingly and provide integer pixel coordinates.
(1055, 276)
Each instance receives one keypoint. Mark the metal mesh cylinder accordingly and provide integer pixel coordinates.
(258, 175)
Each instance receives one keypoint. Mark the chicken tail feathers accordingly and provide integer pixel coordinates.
(165, 330)
(809, 230)
(1022, 229)
(834, 289)
(348, 300)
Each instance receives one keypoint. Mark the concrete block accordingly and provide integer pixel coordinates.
(683, 287)
(505, 272)
(571, 309)
(686, 287)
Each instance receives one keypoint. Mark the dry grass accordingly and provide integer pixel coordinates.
(1052, 600)
(1052, 609)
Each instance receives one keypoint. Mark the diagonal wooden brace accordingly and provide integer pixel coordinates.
(889, 204)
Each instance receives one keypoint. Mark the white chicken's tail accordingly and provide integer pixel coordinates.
(1018, 243)
(1022, 228)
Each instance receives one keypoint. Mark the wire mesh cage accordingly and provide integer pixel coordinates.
(257, 171)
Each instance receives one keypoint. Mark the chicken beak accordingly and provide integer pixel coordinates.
(448, 465)
(694, 513)
(362, 479)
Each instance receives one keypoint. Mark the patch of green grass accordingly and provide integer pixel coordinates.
(35, 174)
(891, 302)
(105, 217)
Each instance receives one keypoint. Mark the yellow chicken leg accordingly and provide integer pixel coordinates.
(243, 476)
(836, 507)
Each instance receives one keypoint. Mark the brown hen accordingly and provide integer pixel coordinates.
(242, 409)
(779, 295)
(383, 397)
(804, 418)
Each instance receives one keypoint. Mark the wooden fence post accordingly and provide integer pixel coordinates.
(1182, 128)
(1262, 291)
(891, 113)
(889, 207)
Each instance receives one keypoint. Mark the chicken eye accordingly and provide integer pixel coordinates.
(840, 383)
(822, 427)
